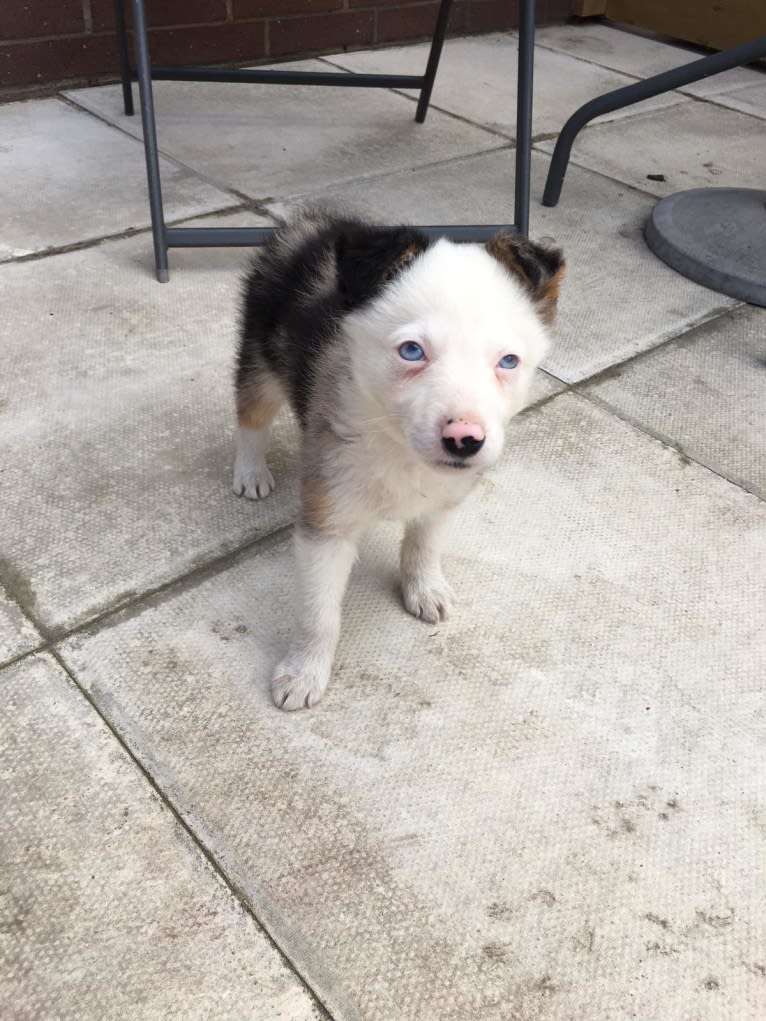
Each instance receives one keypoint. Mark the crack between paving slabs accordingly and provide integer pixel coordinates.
(667, 442)
(129, 232)
(219, 186)
(431, 106)
(236, 891)
(125, 608)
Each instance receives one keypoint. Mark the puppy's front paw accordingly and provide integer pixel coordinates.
(429, 602)
(252, 483)
(297, 686)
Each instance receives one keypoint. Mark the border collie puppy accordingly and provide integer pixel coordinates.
(403, 360)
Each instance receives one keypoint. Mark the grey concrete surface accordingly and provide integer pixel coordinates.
(639, 55)
(118, 419)
(751, 99)
(107, 909)
(477, 81)
(711, 147)
(279, 140)
(704, 393)
(17, 634)
(65, 178)
(549, 807)
(618, 298)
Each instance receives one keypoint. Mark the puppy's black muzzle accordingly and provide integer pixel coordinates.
(467, 446)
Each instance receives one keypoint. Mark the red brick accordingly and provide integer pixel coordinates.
(316, 25)
(57, 59)
(551, 11)
(398, 23)
(161, 13)
(27, 20)
(320, 32)
(281, 8)
(376, 3)
(102, 14)
(185, 12)
(493, 15)
(208, 44)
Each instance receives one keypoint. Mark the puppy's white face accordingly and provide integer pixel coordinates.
(446, 353)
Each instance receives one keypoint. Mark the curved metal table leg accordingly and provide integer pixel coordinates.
(654, 86)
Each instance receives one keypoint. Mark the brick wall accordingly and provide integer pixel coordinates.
(52, 41)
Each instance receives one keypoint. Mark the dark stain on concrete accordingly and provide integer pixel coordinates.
(585, 941)
(717, 921)
(17, 585)
(545, 897)
(545, 986)
(660, 949)
(500, 911)
(495, 951)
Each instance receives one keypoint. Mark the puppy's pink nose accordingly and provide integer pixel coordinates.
(462, 438)
(458, 429)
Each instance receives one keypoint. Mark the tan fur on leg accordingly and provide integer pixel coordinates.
(257, 406)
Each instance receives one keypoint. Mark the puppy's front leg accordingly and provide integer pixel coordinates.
(426, 591)
(324, 563)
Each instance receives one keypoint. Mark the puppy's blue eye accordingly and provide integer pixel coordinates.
(411, 352)
(508, 362)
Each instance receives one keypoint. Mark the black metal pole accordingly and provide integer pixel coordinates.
(143, 67)
(433, 60)
(524, 114)
(238, 237)
(122, 47)
(654, 86)
(273, 76)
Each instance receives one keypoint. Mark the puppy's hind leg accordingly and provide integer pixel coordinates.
(426, 592)
(258, 402)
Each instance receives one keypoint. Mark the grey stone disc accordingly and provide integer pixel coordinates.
(715, 236)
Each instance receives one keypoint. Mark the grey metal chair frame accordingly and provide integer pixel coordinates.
(165, 237)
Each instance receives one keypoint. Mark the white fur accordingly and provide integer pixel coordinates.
(252, 478)
(467, 312)
(465, 309)
(324, 564)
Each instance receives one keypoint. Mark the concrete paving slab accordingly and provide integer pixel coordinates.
(696, 146)
(477, 81)
(274, 140)
(117, 424)
(550, 806)
(750, 100)
(108, 910)
(638, 55)
(17, 634)
(543, 387)
(617, 298)
(704, 393)
(66, 177)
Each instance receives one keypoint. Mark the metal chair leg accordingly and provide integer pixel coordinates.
(524, 114)
(144, 70)
(122, 46)
(192, 237)
(433, 60)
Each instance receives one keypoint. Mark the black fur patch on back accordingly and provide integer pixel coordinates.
(302, 282)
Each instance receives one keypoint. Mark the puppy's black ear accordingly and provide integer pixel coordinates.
(539, 268)
(368, 257)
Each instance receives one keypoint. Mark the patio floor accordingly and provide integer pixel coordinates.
(557, 813)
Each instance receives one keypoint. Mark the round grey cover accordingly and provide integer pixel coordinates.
(715, 236)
